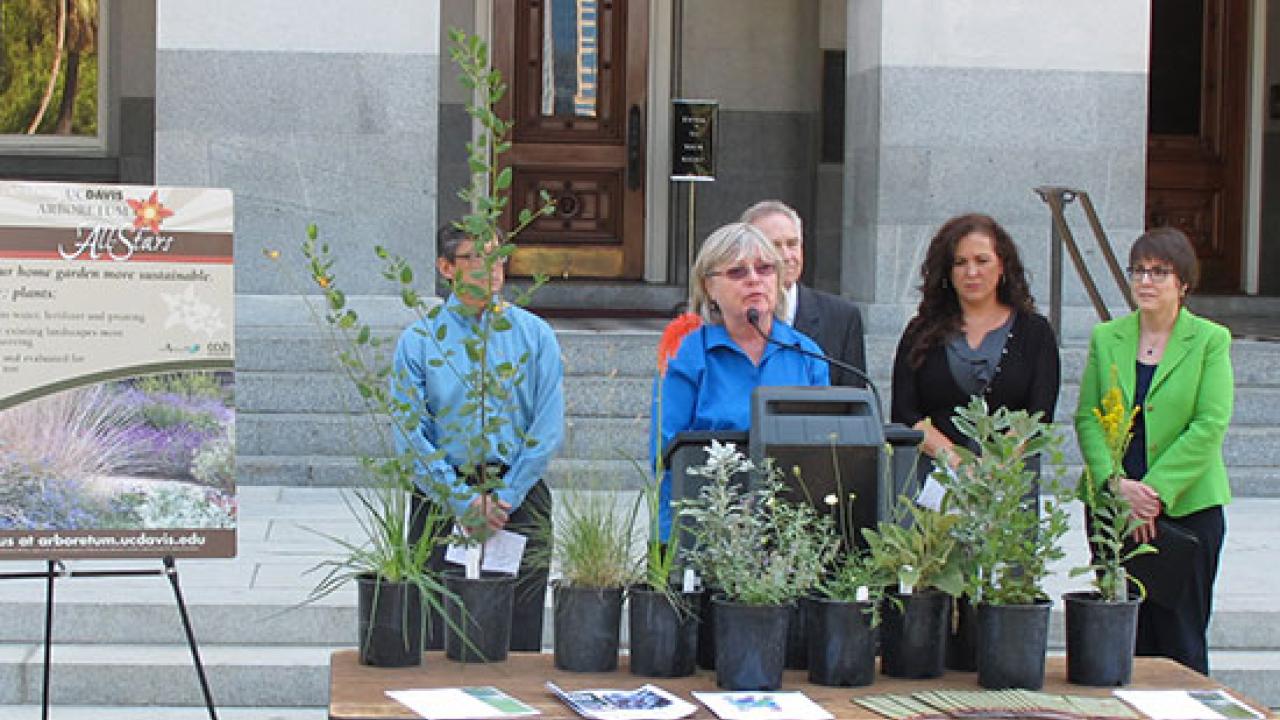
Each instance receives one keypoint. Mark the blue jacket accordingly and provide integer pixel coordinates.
(708, 386)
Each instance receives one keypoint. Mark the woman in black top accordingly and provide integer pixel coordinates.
(976, 332)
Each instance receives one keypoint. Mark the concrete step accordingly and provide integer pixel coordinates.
(604, 438)
(1245, 446)
(1252, 672)
(157, 623)
(115, 675)
(345, 471)
(1252, 360)
(259, 348)
(327, 393)
(608, 438)
(171, 712)
(632, 354)
(1254, 406)
(604, 396)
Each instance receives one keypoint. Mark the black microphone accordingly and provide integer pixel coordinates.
(753, 317)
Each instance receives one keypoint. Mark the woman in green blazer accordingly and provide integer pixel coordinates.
(1176, 368)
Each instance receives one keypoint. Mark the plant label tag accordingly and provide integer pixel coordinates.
(502, 554)
(930, 496)
(691, 582)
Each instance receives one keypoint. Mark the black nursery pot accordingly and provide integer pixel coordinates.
(664, 637)
(962, 636)
(751, 645)
(390, 620)
(842, 643)
(798, 636)
(1100, 639)
(481, 609)
(707, 630)
(587, 624)
(1012, 640)
(913, 638)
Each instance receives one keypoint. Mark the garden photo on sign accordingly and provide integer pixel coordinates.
(142, 453)
(49, 67)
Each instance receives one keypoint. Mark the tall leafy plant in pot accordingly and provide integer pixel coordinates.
(916, 551)
(1102, 624)
(401, 533)
(1008, 541)
(389, 565)
(762, 552)
(479, 611)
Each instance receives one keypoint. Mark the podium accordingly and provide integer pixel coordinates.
(834, 435)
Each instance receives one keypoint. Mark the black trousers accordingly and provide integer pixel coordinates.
(532, 520)
(1181, 632)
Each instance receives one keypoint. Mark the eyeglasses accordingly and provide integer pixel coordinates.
(740, 272)
(1158, 273)
(469, 257)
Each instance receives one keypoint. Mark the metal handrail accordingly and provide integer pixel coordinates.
(1057, 198)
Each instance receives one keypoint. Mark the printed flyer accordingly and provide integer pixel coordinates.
(117, 421)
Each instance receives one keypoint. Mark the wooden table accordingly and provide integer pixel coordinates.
(357, 692)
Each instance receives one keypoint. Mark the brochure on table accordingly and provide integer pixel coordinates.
(762, 705)
(648, 702)
(1188, 705)
(467, 703)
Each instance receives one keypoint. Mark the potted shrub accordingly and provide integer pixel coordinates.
(843, 617)
(760, 550)
(917, 553)
(1102, 624)
(1009, 541)
(392, 564)
(591, 540)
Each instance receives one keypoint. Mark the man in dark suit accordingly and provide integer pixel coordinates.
(832, 321)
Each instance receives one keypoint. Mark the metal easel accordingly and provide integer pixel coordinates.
(57, 569)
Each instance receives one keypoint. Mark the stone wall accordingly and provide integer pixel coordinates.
(309, 112)
(967, 106)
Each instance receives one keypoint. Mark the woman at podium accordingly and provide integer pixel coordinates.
(735, 344)
(976, 332)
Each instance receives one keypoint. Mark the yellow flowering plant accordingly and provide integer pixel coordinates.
(1112, 518)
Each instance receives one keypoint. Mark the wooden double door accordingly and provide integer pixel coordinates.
(1197, 128)
(577, 83)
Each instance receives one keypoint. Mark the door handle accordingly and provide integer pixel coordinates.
(635, 148)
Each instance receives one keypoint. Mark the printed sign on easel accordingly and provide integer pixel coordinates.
(116, 359)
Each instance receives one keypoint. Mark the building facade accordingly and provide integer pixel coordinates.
(876, 119)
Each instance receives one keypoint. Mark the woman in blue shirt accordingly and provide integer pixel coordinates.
(708, 382)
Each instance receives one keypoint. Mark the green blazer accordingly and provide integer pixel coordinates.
(1187, 409)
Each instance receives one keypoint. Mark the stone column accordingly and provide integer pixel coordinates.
(966, 106)
(310, 111)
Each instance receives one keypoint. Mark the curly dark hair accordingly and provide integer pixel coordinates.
(939, 315)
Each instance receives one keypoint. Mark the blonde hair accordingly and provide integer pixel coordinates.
(728, 244)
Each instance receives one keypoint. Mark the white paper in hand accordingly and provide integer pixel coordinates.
(502, 553)
(930, 496)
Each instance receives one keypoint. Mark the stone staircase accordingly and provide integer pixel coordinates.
(119, 649)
